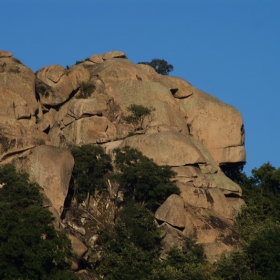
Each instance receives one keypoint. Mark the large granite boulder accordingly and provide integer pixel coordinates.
(79, 108)
(51, 168)
(90, 130)
(180, 220)
(53, 85)
(206, 198)
(78, 74)
(166, 148)
(114, 71)
(217, 125)
(172, 211)
(17, 78)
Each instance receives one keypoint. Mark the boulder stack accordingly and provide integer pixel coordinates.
(45, 113)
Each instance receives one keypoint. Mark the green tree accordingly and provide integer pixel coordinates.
(258, 224)
(187, 263)
(233, 267)
(137, 116)
(131, 248)
(91, 166)
(160, 65)
(263, 250)
(30, 247)
(142, 180)
(267, 178)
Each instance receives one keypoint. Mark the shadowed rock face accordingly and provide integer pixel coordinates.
(42, 115)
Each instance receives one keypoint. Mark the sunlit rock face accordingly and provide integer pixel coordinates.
(43, 115)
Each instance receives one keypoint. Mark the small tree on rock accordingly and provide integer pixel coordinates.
(137, 116)
(160, 65)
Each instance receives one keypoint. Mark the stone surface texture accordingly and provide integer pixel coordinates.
(43, 115)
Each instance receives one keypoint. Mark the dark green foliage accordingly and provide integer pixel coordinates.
(263, 250)
(91, 166)
(131, 248)
(259, 226)
(86, 89)
(235, 173)
(160, 65)
(190, 253)
(143, 180)
(130, 263)
(15, 193)
(131, 251)
(30, 248)
(138, 114)
(188, 263)
(267, 178)
(233, 267)
(139, 226)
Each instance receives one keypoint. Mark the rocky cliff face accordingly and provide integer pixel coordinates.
(42, 115)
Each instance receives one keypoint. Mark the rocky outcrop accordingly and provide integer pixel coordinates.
(42, 115)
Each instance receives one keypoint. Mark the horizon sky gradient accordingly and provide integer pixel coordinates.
(228, 48)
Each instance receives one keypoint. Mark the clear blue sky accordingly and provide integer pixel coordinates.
(229, 48)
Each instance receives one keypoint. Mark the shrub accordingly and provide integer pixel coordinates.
(137, 116)
(86, 89)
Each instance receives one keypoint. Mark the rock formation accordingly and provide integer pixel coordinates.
(43, 114)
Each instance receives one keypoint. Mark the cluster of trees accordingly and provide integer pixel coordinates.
(131, 247)
(31, 248)
(140, 178)
(259, 226)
